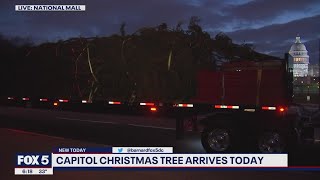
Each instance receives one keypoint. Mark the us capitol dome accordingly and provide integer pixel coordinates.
(300, 58)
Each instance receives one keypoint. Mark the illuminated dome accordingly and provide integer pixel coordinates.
(298, 49)
(298, 46)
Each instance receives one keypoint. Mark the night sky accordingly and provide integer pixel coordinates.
(271, 25)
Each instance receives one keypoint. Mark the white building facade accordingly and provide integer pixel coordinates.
(314, 70)
(300, 59)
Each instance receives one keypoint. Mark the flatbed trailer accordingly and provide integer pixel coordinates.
(245, 104)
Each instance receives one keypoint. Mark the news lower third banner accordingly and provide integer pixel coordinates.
(137, 157)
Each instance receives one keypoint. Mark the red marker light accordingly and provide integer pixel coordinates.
(184, 105)
(281, 109)
(146, 104)
(268, 108)
(114, 102)
(153, 109)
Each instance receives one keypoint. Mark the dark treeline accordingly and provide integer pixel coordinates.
(157, 63)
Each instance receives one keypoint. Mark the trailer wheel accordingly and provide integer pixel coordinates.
(216, 140)
(271, 142)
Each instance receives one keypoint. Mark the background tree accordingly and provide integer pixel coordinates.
(154, 63)
(122, 29)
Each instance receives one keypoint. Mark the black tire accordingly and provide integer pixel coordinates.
(272, 141)
(211, 145)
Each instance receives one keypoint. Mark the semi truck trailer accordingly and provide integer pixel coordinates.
(242, 104)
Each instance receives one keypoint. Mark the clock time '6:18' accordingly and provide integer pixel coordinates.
(27, 171)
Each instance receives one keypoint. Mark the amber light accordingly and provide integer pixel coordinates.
(153, 109)
(282, 109)
(55, 104)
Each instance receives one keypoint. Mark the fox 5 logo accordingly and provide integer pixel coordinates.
(33, 160)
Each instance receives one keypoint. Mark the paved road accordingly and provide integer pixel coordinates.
(23, 141)
(101, 128)
(105, 129)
